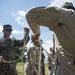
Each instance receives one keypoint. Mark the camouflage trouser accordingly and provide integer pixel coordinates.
(30, 68)
(8, 72)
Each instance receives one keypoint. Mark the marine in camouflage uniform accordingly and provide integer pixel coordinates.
(7, 51)
(33, 59)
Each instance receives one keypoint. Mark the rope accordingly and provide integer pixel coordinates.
(5, 61)
(49, 55)
(25, 40)
(40, 60)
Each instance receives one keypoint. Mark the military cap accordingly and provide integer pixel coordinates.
(7, 27)
(68, 5)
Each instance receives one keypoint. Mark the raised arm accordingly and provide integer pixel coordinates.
(25, 40)
(26, 36)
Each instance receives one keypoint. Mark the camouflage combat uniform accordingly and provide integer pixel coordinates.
(34, 54)
(7, 50)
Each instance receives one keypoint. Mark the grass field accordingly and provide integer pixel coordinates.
(20, 68)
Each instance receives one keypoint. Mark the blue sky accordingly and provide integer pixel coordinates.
(13, 12)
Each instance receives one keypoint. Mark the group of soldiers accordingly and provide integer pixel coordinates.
(35, 53)
(62, 22)
(36, 57)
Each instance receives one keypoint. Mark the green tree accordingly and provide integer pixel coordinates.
(21, 51)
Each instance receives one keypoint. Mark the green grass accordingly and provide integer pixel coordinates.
(19, 68)
(19, 64)
(20, 73)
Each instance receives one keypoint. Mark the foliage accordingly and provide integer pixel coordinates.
(21, 51)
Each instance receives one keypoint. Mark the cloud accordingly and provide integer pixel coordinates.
(59, 3)
(22, 13)
(47, 44)
(20, 18)
(19, 13)
(13, 14)
(17, 32)
(1, 28)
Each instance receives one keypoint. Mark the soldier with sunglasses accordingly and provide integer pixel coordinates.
(7, 50)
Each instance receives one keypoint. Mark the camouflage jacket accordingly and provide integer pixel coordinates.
(7, 50)
(34, 53)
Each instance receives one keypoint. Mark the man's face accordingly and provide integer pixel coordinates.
(7, 33)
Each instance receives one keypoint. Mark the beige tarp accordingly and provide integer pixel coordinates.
(62, 22)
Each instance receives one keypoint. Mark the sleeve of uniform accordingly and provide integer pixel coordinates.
(42, 16)
(33, 25)
(29, 51)
(26, 39)
(20, 43)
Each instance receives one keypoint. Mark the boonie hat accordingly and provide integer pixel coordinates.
(7, 27)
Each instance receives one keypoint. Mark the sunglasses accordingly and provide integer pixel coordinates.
(8, 30)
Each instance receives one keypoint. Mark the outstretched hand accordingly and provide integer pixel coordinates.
(26, 30)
